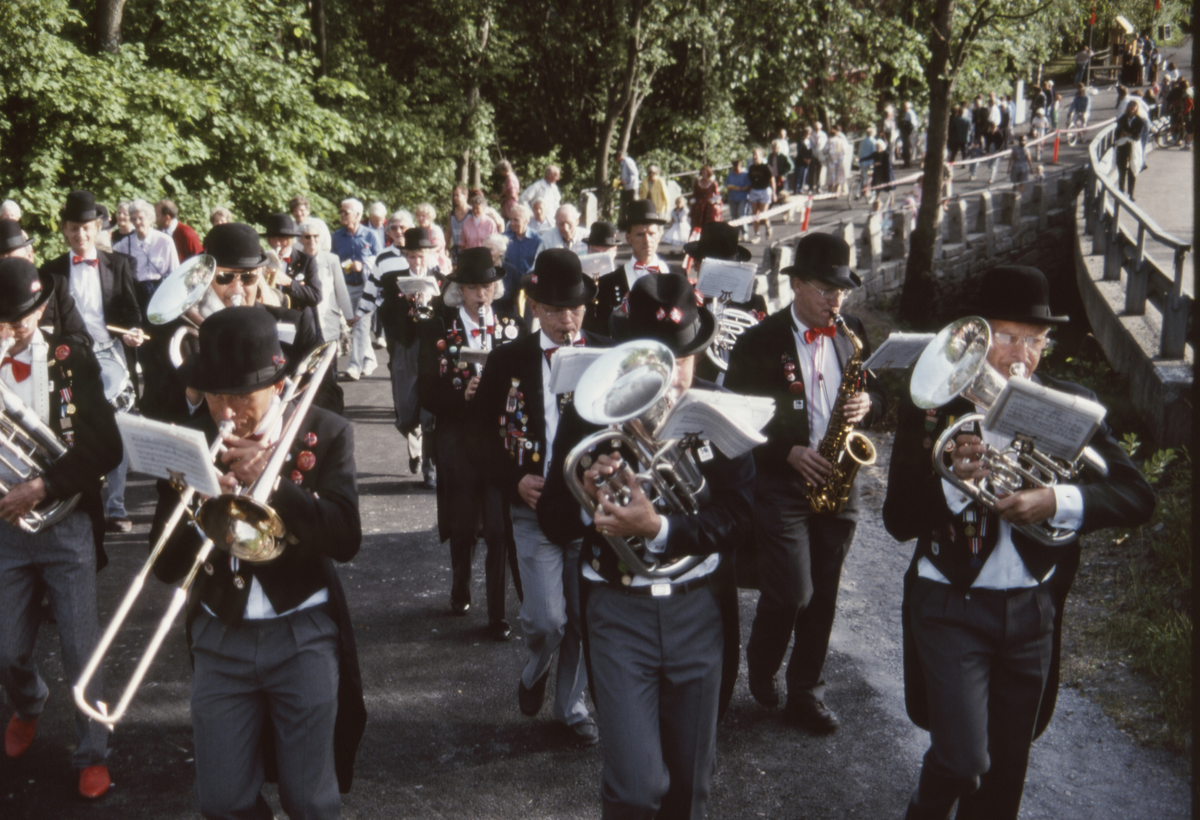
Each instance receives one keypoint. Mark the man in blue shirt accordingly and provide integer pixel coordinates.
(523, 246)
(355, 245)
(737, 187)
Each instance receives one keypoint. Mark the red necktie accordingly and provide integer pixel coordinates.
(79, 260)
(810, 335)
(20, 370)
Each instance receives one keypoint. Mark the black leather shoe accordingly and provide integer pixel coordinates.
(530, 700)
(460, 607)
(813, 716)
(413, 464)
(586, 732)
(500, 631)
(764, 690)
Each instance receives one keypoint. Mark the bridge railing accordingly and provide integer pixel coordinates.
(1123, 244)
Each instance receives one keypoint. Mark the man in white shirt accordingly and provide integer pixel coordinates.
(816, 143)
(565, 233)
(630, 182)
(154, 253)
(643, 230)
(545, 189)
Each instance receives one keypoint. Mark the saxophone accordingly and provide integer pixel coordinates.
(843, 446)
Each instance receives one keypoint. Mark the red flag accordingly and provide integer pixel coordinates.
(1093, 20)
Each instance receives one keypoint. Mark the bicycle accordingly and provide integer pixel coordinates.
(1073, 135)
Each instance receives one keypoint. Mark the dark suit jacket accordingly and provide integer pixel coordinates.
(187, 242)
(612, 288)
(305, 290)
(915, 507)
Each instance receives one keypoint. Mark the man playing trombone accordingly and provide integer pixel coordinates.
(983, 600)
(272, 645)
(58, 379)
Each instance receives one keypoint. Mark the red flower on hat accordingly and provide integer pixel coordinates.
(699, 298)
(62, 352)
(660, 315)
(306, 461)
(533, 278)
(278, 361)
(35, 286)
(297, 477)
(310, 439)
(676, 315)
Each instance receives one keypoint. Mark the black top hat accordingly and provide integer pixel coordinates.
(418, 239)
(603, 235)
(235, 245)
(1016, 293)
(665, 308)
(824, 257)
(281, 225)
(557, 280)
(718, 240)
(475, 268)
(80, 207)
(106, 222)
(22, 291)
(640, 212)
(11, 236)
(239, 353)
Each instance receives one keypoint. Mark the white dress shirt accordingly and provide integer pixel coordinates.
(24, 391)
(822, 376)
(547, 192)
(85, 290)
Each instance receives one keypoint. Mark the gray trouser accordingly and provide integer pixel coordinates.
(656, 672)
(114, 491)
(286, 668)
(361, 352)
(64, 559)
(550, 614)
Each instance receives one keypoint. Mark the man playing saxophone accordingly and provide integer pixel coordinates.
(272, 646)
(798, 357)
(56, 376)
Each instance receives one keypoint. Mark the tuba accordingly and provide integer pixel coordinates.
(955, 364)
(731, 324)
(842, 446)
(186, 288)
(627, 389)
(31, 446)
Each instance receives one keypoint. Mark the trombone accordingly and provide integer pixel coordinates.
(246, 527)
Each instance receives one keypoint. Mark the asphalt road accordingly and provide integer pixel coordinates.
(445, 737)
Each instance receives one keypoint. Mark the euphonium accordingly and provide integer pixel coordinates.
(843, 446)
(731, 324)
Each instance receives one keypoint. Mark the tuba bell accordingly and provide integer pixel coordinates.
(731, 324)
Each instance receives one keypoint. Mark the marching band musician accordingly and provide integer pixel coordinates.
(104, 289)
(983, 601)
(272, 646)
(662, 657)
(447, 387)
(58, 378)
(512, 393)
(643, 230)
(298, 280)
(797, 357)
(239, 281)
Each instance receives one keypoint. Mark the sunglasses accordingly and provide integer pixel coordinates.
(226, 278)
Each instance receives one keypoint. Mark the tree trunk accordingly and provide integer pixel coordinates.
(318, 24)
(917, 298)
(108, 25)
(468, 168)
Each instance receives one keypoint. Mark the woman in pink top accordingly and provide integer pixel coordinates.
(478, 226)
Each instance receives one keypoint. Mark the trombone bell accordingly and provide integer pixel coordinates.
(244, 528)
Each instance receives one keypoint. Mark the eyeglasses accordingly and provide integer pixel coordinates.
(1037, 344)
(226, 277)
(310, 236)
(829, 295)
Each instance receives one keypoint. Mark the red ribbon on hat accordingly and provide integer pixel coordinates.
(79, 260)
(811, 335)
(20, 370)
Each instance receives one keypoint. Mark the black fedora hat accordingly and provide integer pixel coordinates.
(281, 225)
(602, 235)
(22, 290)
(12, 237)
(418, 239)
(826, 258)
(640, 212)
(718, 240)
(1016, 293)
(80, 207)
(557, 280)
(239, 353)
(665, 308)
(475, 267)
(235, 245)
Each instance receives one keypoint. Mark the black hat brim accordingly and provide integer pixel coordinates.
(496, 275)
(47, 291)
(1024, 318)
(246, 262)
(623, 330)
(194, 376)
(692, 249)
(625, 224)
(284, 232)
(588, 287)
(841, 278)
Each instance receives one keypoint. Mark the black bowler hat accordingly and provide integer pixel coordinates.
(718, 240)
(557, 280)
(80, 207)
(11, 236)
(603, 235)
(475, 267)
(239, 353)
(22, 290)
(665, 308)
(281, 225)
(1016, 293)
(824, 257)
(418, 239)
(235, 245)
(640, 212)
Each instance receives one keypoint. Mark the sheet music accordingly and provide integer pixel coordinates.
(412, 285)
(567, 367)
(730, 422)
(899, 351)
(472, 356)
(166, 450)
(597, 264)
(718, 277)
(1060, 424)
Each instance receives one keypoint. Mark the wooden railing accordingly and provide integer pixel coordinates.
(1124, 249)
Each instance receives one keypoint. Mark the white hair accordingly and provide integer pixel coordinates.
(318, 226)
(426, 207)
(353, 204)
(142, 207)
(496, 242)
(378, 209)
(570, 210)
(453, 297)
(10, 210)
(520, 211)
(402, 216)
(552, 169)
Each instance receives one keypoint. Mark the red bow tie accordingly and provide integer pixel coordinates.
(79, 260)
(475, 331)
(811, 335)
(548, 352)
(20, 370)
(640, 266)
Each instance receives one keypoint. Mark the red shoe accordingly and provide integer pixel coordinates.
(94, 781)
(18, 736)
